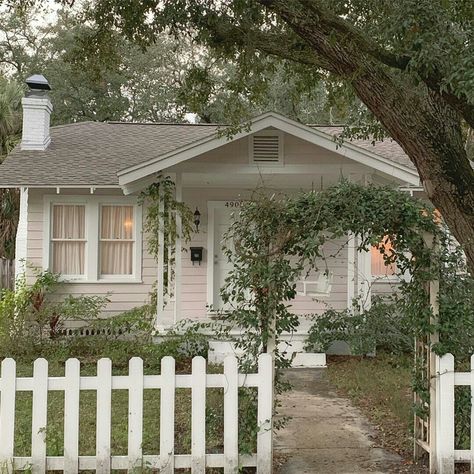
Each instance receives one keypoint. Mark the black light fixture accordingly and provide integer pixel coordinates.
(197, 219)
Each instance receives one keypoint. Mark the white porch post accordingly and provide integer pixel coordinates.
(178, 251)
(21, 243)
(351, 268)
(160, 288)
(364, 265)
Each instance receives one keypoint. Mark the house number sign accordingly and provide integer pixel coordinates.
(233, 203)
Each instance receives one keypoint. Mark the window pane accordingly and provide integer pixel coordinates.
(68, 258)
(116, 258)
(117, 222)
(378, 264)
(68, 222)
(116, 247)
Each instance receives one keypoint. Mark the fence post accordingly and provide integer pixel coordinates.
(135, 412)
(39, 416)
(265, 414)
(7, 415)
(445, 435)
(198, 416)
(231, 416)
(167, 407)
(472, 414)
(104, 415)
(71, 416)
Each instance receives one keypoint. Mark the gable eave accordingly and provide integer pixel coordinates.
(261, 122)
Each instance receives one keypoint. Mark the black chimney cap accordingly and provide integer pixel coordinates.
(38, 82)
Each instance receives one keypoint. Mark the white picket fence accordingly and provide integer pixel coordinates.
(135, 382)
(447, 380)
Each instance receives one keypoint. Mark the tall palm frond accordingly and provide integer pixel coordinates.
(10, 114)
(10, 128)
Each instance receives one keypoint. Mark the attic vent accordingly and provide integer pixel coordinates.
(266, 148)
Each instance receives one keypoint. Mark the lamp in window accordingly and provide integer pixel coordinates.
(197, 219)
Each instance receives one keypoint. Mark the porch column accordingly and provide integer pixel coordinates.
(160, 287)
(21, 243)
(364, 278)
(178, 251)
(351, 268)
(364, 265)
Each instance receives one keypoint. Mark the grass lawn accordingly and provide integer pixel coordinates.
(381, 387)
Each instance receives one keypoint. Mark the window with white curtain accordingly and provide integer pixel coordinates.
(93, 239)
(116, 240)
(68, 239)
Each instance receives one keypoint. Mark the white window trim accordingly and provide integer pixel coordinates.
(276, 133)
(92, 229)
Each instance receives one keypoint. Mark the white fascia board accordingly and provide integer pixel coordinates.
(52, 186)
(284, 124)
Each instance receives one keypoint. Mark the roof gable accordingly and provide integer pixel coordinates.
(359, 154)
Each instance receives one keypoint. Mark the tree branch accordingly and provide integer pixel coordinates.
(331, 23)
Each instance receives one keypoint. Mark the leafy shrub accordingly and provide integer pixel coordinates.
(187, 339)
(383, 326)
(30, 315)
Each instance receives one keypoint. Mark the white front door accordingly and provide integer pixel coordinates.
(220, 216)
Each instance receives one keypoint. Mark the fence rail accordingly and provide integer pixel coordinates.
(7, 273)
(135, 382)
(447, 380)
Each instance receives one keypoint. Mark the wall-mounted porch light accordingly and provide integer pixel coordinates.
(197, 219)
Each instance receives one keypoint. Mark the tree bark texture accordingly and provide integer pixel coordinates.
(426, 126)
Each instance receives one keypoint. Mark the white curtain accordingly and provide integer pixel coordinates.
(68, 239)
(116, 235)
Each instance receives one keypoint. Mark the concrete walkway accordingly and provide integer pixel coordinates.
(327, 434)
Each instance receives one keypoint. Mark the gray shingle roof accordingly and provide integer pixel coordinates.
(389, 148)
(91, 153)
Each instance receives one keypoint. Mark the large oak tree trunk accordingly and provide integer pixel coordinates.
(420, 120)
(432, 138)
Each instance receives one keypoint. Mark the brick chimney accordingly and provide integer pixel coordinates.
(37, 110)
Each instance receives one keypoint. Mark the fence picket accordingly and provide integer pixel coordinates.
(135, 413)
(39, 416)
(472, 414)
(104, 416)
(231, 416)
(265, 413)
(198, 417)
(167, 409)
(71, 416)
(7, 415)
(445, 435)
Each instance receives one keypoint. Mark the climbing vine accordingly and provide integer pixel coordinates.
(161, 211)
(276, 239)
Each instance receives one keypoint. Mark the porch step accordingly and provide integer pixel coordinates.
(218, 350)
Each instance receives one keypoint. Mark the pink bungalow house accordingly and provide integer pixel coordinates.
(79, 214)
